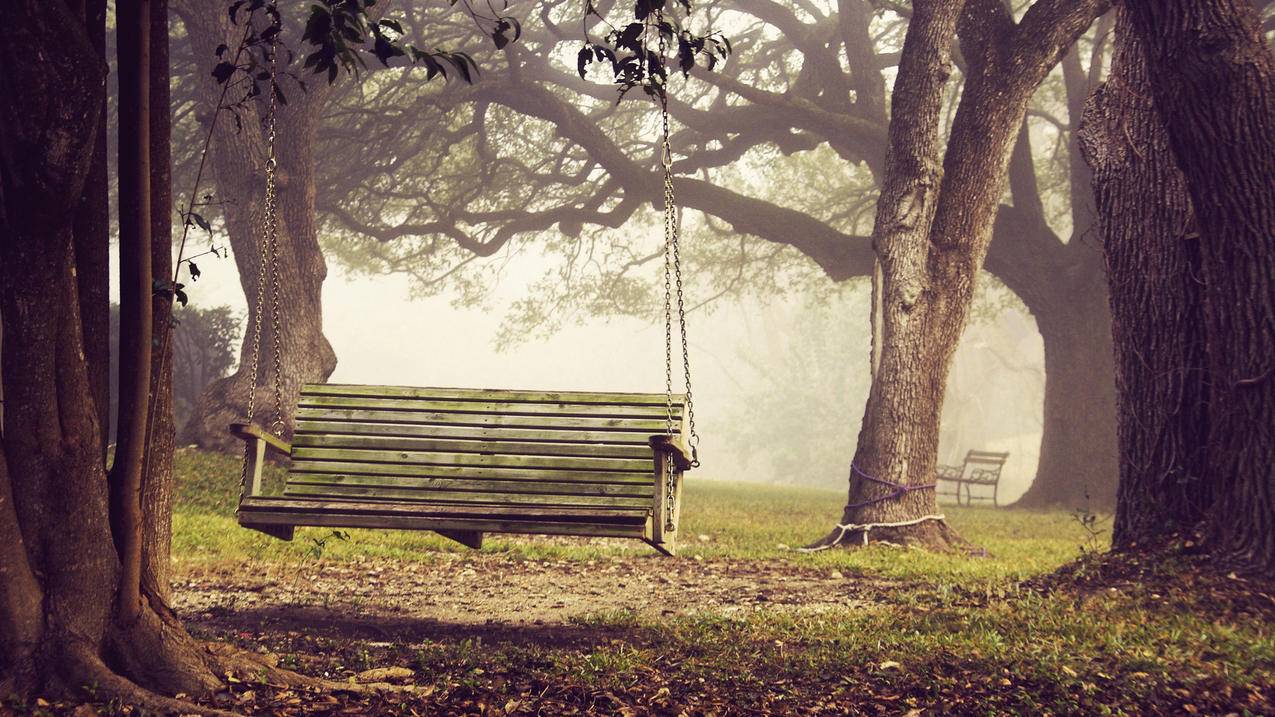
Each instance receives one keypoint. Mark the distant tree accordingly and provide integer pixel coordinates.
(203, 350)
(204, 343)
(808, 372)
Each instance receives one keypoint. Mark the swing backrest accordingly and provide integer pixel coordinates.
(477, 447)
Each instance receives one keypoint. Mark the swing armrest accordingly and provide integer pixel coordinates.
(665, 444)
(252, 433)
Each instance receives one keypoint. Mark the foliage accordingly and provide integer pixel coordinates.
(628, 49)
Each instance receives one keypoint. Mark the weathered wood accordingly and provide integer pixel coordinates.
(672, 445)
(309, 426)
(397, 493)
(470, 446)
(470, 459)
(282, 532)
(256, 462)
(646, 425)
(303, 505)
(465, 462)
(468, 538)
(659, 508)
(485, 394)
(448, 523)
(469, 472)
(425, 484)
(250, 431)
(482, 407)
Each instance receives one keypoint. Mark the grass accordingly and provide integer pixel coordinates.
(721, 521)
(949, 634)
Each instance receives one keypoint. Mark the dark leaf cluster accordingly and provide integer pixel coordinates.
(638, 52)
(338, 34)
(341, 32)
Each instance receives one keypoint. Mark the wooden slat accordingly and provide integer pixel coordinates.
(443, 498)
(306, 426)
(644, 425)
(471, 459)
(491, 394)
(475, 472)
(269, 519)
(632, 490)
(528, 513)
(432, 445)
(503, 409)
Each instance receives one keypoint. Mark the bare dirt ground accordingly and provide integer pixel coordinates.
(368, 599)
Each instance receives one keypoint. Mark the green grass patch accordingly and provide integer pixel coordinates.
(720, 521)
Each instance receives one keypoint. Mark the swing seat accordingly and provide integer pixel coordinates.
(466, 462)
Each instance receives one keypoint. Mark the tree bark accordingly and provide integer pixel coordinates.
(136, 291)
(932, 232)
(92, 255)
(59, 570)
(1157, 301)
(239, 156)
(54, 462)
(157, 478)
(898, 441)
(1212, 77)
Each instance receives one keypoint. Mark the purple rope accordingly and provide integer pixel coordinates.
(899, 489)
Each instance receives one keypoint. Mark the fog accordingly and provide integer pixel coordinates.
(769, 410)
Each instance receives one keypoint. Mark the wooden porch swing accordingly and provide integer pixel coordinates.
(466, 462)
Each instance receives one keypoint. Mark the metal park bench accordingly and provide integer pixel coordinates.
(981, 468)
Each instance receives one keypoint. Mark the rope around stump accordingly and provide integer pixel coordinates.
(866, 527)
(899, 490)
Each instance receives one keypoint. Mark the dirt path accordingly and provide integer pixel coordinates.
(364, 598)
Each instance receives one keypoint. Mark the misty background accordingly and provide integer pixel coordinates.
(779, 383)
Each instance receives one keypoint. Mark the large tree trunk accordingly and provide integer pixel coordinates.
(1063, 286)
(898, 441)
(1212, 77)
(1157, 301)
(92, 255)
(932, 232)
(58, 562)
(1078, 465)
(239, 156)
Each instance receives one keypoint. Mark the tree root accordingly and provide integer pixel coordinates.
(224, 658)
(85, 671)
(161, 654)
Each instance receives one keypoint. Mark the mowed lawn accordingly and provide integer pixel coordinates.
(937, 634)
(720, 520)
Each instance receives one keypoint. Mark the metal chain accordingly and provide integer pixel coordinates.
(273, 229)
(265, 263)
(672, 280)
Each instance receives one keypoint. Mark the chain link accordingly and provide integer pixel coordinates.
(265, 273)
(273, 229)
(673, 282)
